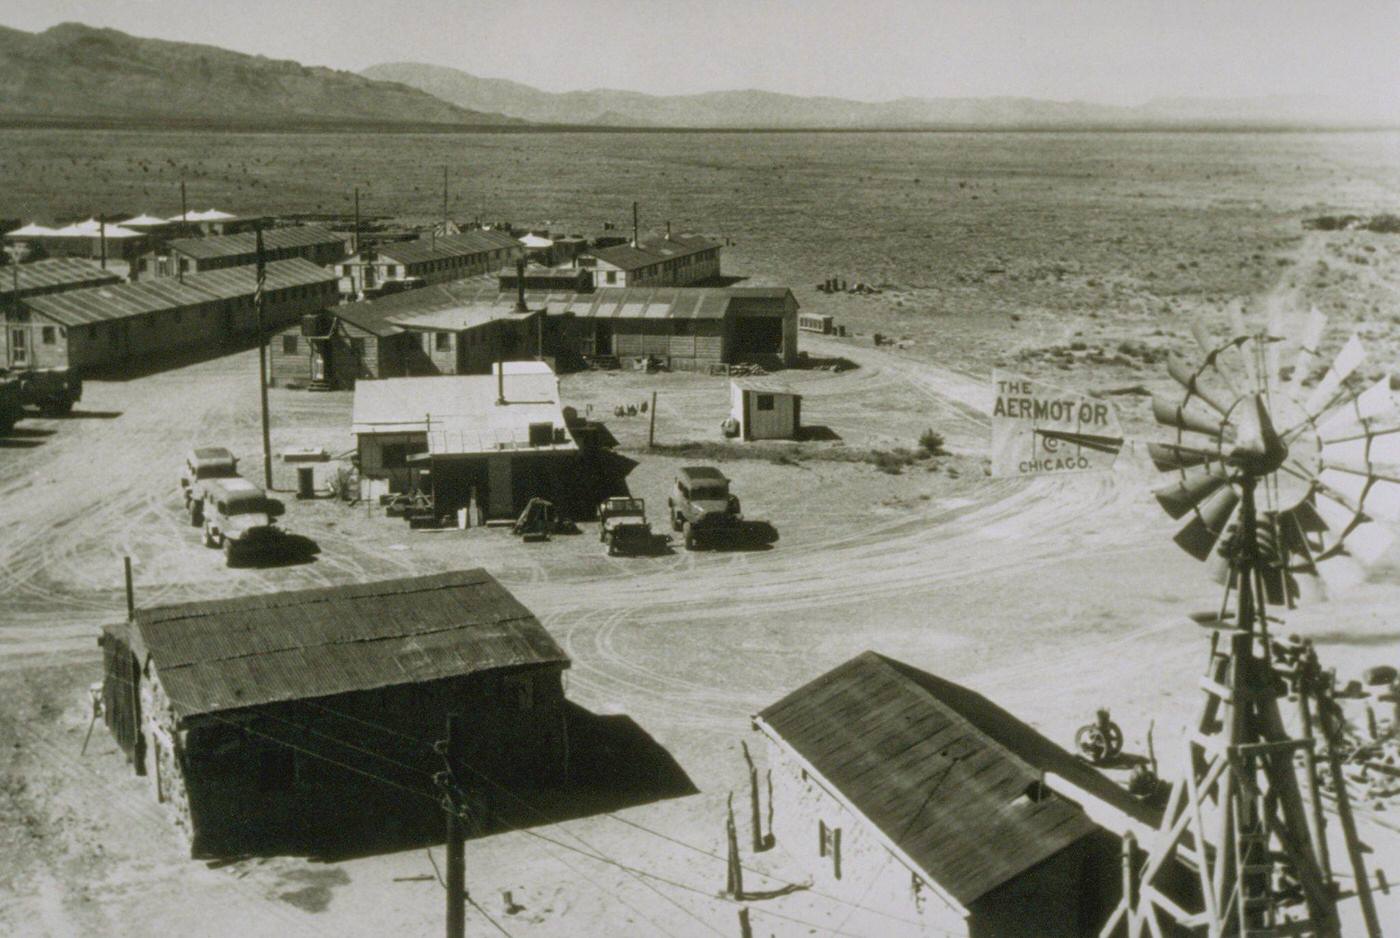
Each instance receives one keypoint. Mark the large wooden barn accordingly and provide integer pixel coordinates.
(266, 717)
(109, 325)
(905, 792)
(196, 255)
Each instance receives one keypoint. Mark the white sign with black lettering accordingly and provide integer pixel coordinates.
(1039, 429)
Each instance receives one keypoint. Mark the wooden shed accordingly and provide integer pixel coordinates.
(765, 409)
(901, 791)
(266, 715)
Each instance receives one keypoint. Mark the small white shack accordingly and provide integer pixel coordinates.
(765, 409)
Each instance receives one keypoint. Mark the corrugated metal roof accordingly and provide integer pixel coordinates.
(459, 245)
(481, 298)
(460, 413)
(763, 386)
(120, 301)
(649, 251)
(245, 242)
(71, 272)
(233, 653)
(939, 771)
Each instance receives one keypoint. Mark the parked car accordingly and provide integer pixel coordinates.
(238, 517)
(701, 506)
(201, 465)
(623, 526)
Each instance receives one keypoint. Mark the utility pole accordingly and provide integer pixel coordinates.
(444, 200)
(453, 751)
(184, 207)
(262, 355)
(355, 241)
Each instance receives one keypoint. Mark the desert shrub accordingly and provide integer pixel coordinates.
(1385, 224)
(932, 442)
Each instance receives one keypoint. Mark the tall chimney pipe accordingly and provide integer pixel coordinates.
(500, 381)
(634, 224)
(130, 592)
(520, 306)
(668, 230)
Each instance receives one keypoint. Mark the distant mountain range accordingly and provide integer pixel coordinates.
(754, 109)
(76, 71)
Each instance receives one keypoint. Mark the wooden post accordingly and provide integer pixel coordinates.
(102, 238)
(755, 819)
(355, 233)
(130, 593)
(456, 833)
(258, 303)
(734, 879)
(651, 430)
(1332, 733)
(184, 208)
(745, 929)
(1317, 822)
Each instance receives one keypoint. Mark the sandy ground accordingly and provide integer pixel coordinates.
(1052, 596)
(982, 580)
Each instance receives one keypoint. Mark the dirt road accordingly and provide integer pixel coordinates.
(1053, 596)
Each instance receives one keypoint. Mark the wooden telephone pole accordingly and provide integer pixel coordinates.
(453, 752)
(262, 354)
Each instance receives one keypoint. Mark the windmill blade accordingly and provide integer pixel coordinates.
(1307, 351)
(1185, 417)
(1337, 515)
(1351, 356)
(1274, 335)
(1368, 455)
(1375, 495)
(1244, 343)
(1352, 415)
(1194, 487)
(1199, 537)
(1169, 456)
(1211, 352)
(1340, 572)
(1184, 376)
(1368, 543)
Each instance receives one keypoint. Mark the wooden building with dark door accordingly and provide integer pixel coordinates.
(272, 717)
(901, 791)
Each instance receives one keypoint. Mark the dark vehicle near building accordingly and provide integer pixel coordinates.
(702, 508)
(11, 404)
(623, 526)
(53, 390)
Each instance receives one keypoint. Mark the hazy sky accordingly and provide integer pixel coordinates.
(1112, 51)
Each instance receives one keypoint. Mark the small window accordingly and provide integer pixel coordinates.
(357, 347)
(612, 276)
(444, 341)
(184, 266)
(50, 335)
(289, 345)
(763, 401)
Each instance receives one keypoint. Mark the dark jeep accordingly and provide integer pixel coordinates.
(701, 507)
(623, 526)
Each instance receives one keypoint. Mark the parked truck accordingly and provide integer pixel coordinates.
(53, 390)
(238, 518)
(623, 526)
(702, 508)
(203, 464)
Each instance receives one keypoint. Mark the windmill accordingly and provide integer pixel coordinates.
(1281, 487)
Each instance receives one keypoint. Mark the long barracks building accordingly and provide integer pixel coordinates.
(109, 325)
(463, 327)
